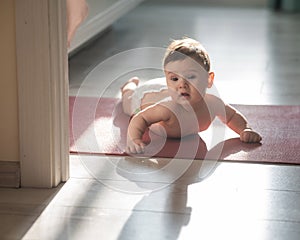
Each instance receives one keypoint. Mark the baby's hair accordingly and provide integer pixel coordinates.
(187, 47)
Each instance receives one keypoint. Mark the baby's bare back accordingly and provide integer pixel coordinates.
(152, 98)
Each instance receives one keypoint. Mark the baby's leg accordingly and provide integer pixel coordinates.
(127, 91)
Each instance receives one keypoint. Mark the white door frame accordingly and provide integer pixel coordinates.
(42, 72)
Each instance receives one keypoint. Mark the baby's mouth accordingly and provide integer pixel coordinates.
(185, 95)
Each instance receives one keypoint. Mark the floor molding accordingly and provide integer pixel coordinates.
(10, 174)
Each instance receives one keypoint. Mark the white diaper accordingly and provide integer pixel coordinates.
(150, 86)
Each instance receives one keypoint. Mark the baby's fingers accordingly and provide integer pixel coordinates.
(250, 137)
(136, 148)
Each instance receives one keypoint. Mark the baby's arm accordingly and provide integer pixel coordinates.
(234, 119)
(139, 124)
(238, 123)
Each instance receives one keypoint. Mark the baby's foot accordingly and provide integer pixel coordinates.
(131, 84)
(136, 80)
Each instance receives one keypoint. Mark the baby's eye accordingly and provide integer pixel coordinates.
(174, 79)
(191, 77)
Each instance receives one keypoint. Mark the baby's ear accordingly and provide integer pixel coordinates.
(211, 77)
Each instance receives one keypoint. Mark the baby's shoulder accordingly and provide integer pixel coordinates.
(212, 100)
(214, 104)
(167, 104)
(162, 109)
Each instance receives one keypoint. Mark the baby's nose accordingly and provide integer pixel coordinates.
(182, 82)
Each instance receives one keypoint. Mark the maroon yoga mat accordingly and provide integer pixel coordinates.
(98, 126)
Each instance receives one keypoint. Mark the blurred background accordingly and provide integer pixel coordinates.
(254, 45)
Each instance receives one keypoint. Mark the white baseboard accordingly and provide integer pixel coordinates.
(10, 174)
(222, 3)
(98, 23)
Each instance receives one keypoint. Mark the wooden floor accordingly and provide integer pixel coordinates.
(256, 57)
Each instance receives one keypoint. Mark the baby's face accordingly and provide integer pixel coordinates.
(187, 80)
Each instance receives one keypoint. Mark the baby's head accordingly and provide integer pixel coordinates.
(187, 71)
(187, 47)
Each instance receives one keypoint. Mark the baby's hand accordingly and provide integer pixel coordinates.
(250, 136)
(135, 146)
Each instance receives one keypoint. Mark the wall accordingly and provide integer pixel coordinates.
(9, 139)
(101, 15)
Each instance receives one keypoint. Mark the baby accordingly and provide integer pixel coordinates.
(178, 105)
